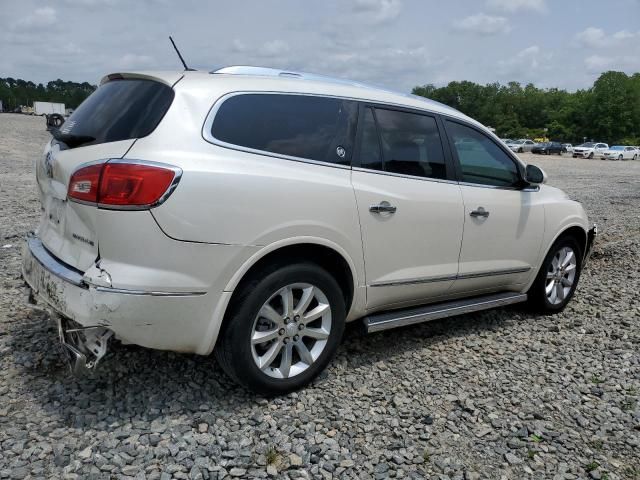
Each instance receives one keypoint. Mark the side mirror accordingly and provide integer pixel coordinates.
(535, 175)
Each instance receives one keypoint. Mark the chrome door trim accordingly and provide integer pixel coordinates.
(403, 175)
(414, 281)
(445, 278)
(492, 273)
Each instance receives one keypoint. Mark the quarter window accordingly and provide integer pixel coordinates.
(309, 127)
(481, 159)
(411, 144)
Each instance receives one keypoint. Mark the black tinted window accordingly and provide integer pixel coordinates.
(481, 160)
(315, 128)
(370, 156)
(411, 144)
(118, 110)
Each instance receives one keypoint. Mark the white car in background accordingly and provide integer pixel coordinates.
(522, 145)
(567, 147)
(620, 152)
(589, 150)
(252, 212)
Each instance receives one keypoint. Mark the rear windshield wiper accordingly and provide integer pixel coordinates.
(70, 139)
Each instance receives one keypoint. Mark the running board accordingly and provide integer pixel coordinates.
(401, 318)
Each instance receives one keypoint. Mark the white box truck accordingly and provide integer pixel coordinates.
(47, 108)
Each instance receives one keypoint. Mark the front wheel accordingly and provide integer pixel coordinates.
(558, 277)
(591, 156)
(283, 330)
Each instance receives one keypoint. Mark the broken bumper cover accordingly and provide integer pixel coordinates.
(154, 319)
(591, 238)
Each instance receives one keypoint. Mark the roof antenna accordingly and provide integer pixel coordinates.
(187, 69)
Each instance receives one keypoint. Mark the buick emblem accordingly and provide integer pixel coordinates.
(341, 152)
(48, 164)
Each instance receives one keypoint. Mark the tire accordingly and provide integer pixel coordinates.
(620, 157)
(591, 156)
(520, 150)
(548, 303)
(240, 358)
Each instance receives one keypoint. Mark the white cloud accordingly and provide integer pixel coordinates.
(483, 24)
(41, 17)
(529, 63)
(134, 61)
(598, 63)
(273, 48)
(517, 5)
(594, 37)
(378, 11)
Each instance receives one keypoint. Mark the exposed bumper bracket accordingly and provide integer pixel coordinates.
(84, 346)
(591, 237)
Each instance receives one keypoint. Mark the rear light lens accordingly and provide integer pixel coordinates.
(83, 185)
(122, 185)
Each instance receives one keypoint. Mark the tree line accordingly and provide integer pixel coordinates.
(608, 111)
(17, 92)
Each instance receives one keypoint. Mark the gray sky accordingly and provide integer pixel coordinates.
(394, 43)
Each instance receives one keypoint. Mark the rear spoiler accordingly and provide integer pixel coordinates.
(168, 78)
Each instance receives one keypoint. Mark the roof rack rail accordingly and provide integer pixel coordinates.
(275, 72)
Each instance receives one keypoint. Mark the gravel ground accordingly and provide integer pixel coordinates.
(502, 394)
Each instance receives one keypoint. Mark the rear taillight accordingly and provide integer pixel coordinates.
(126, 185)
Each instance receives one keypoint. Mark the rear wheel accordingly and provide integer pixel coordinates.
(558, 276)
(284, 328)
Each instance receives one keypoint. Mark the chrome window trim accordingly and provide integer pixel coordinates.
(404, 175)
(174, 183)
(445, 278)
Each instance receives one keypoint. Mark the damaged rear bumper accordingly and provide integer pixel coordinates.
(591, 237)
(157, 319)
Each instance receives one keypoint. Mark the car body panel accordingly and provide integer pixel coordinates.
(231, 208)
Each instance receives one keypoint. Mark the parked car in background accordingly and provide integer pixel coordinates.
(620, 152)
(522, 145)
(567, 147)
(506, 141)
(589, 149)
(252, 212)
(547, 148)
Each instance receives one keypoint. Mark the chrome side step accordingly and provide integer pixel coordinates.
(401, 318)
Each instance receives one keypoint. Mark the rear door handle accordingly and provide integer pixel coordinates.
(479, 212)
(383, 207)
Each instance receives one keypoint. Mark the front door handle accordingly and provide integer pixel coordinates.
(479, 212)
(383, 207)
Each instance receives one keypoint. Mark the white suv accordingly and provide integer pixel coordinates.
(252, 212)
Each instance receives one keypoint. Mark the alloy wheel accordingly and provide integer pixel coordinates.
(291, 330)
(561, 275)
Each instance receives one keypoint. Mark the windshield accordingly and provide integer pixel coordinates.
(518, 142)
(588, 145)
(617, 147)
(118, 110)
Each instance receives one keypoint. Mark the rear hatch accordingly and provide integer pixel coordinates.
(104, 126)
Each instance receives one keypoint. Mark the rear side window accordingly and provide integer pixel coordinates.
(411, 144)
(302, 126)
(118, 110)
(481, 160)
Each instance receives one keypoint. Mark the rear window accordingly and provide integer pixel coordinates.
(301, 126)
(118, 110)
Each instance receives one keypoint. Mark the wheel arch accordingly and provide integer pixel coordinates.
(325, 253)
(576, 231)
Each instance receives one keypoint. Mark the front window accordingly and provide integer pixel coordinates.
(481, 160)
(588, 145)
(616, 147)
